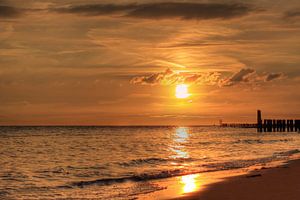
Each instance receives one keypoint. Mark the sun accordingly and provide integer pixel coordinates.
(182, 91)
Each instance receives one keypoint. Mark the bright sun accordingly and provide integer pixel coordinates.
(182, 91)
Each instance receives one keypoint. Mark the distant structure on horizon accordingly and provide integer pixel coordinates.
(268, 125)
(277, 125)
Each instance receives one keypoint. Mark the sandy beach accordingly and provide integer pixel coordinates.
(278, 183)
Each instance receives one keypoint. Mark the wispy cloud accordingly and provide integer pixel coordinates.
(292, 13)
(183, 10)
(274, 76)
(96, 9)
(249, 75)
(190, 11)
(169, 77)
(240, 77)
(9, 12)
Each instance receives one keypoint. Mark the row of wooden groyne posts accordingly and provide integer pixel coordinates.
(277, 125)
(269, 125)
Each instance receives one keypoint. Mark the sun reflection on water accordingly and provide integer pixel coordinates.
(180, 137)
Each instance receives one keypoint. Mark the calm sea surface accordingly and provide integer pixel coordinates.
(98, 162)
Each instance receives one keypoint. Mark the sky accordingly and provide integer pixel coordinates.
(88, 62)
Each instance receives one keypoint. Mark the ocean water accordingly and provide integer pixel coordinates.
(119, 162)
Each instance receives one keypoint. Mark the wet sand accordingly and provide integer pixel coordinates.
(278, 183)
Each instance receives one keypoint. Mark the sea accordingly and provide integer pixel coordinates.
(91, 162)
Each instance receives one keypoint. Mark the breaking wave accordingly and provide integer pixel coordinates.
(211, 167)
(145, 161)
(260, 141)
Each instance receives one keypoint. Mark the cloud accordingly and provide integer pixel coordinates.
(170, 77)
(9, 12)
(241, 76)
(183, 10)
(198, 11)
(274, 76)
(96, 9)
(248, 75)
(292, 13)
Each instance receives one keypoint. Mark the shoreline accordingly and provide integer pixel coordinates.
(259, 182)
(274, 183)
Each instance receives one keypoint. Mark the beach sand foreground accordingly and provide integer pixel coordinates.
(278, 183)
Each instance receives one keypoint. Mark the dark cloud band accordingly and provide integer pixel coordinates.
(198, 11)
(190, 11)
(274, 76)
(9, 12)
(97, 9)
(292, 13)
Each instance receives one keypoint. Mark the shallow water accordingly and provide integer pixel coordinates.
(118, 162)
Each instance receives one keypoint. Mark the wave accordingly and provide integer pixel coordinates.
(135, 178)
(287, 153)
(144, 161)
(210, 167)
(248, 141)
(236, 164)
(260, 141)
(209, 143)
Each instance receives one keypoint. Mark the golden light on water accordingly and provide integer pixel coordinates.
(189, 183)
(180, 137)
(182, 91)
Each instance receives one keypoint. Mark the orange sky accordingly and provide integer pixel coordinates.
(88, 62)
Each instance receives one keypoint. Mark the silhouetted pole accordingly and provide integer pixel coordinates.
(259, 121)
(265, 125)
(274, 125)
(278, 125)
(290, 125)
(269, 125)
(281, 125)
(297, 125)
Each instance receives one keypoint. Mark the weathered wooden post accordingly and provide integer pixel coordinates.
(292, 126)
(274, 125)
(283, 125)
(278, 125)
(289, 125)
(269, 125)
(259, 121)
(297, 125)
(265, 125)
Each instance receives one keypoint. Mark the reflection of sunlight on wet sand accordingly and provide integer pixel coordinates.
(184, 186)
(189, 183)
